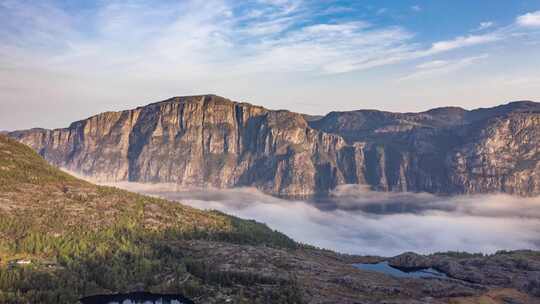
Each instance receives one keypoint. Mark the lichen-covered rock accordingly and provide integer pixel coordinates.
(409, 260)
(212, 141)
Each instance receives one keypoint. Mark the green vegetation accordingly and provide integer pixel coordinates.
(84, 239)
(460, 254)
(286, 290)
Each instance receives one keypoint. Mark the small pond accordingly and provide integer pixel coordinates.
(400, 273)
(136, 298)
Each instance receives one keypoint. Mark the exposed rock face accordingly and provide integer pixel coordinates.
(409, 260)
(326, 277)
(516, 269)
(211, 141)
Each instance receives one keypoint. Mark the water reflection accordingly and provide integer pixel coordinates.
(400, 273)
(378, 208)
(136, 298)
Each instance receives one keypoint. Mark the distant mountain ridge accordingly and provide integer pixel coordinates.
(209, 140)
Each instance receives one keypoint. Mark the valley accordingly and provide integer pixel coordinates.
(80, 239)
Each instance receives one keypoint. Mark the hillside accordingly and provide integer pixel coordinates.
(83, 239)
(211, 141)
(75, 239)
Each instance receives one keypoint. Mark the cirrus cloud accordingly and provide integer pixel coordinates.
(531, 19)
(109, 55)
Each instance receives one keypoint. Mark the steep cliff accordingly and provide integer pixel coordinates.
(212, 141)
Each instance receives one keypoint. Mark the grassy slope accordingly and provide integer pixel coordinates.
(86, 239)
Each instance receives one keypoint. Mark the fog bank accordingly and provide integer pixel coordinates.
(356, 220)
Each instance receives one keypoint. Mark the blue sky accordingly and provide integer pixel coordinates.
(65, 60)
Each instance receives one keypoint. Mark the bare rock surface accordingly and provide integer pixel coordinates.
(328, 277)
(209, 140)
(516, 269)
(409, 260)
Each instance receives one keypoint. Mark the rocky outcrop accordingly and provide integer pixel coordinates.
(326, 277)
(409, 260)
(210, 141)
(516, 269)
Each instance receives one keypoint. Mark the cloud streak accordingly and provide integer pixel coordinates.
(199, 36)
(110, 55)
(461, 42)
(441, 67)
(485, 25)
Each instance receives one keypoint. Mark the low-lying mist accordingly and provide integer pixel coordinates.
(356, 220)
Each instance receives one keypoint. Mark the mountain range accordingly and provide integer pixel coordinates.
(211, 141)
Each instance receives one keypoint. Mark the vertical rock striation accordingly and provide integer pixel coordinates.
(210, 141)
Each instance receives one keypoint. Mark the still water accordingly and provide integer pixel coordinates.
(395, 272)
(136, 298)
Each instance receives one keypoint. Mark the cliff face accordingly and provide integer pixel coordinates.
(211, 141)
(502, 154)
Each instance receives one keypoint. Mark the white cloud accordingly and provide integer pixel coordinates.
(356, 220)
(432, 64)
(335, 48)
(441, 67)
(462, 41)
(190, 47)
(416, 8)
(485, 25)
(218, 35)
(529, 20)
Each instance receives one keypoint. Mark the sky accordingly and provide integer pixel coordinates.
(63, 60)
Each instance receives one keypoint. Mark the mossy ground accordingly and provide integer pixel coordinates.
(85, 239)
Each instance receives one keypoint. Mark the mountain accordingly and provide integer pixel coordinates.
(62, 238)
(211, 141)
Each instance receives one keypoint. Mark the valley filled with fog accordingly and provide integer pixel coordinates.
(359, 221)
